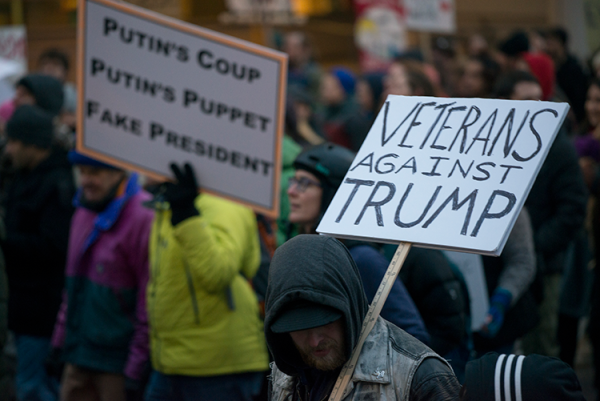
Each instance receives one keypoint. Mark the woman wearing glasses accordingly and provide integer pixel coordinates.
(319, 172)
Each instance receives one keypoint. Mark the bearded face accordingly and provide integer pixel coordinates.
(322, 348)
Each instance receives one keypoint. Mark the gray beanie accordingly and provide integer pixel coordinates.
(32, 126)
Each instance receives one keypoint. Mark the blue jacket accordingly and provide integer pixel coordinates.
(399, 307)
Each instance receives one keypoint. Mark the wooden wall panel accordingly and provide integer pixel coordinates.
(497, 18)
(42, 38)
(50, 26)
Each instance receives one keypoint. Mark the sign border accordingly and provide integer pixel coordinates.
(185, 27)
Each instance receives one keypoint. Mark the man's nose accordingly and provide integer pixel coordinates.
(84, 180)
(314, 338)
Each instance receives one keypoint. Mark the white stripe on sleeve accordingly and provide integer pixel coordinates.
(497, 377)
(518, 370)
(507, 377)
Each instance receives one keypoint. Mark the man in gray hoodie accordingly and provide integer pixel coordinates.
(315, 306)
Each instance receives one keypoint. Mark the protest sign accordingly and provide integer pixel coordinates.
(154, 90)
(444, 173)
(13, 46)
(430, 15)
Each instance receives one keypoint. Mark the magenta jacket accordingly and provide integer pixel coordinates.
(102, 323)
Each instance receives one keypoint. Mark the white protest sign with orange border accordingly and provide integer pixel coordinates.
(155, 90)
(444, 173)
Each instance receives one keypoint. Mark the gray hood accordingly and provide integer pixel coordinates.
(318, 269)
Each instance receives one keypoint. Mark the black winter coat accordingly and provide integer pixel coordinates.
(38, 216)
(574, 83)
(557, 204)
(439, 296)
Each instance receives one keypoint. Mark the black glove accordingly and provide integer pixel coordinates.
(54, 363)
(181, 195)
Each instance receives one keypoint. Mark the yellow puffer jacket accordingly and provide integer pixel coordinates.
(203, 314)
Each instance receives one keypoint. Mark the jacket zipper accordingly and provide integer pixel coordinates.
(192, 290)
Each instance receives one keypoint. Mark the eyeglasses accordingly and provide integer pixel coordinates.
(302, 183)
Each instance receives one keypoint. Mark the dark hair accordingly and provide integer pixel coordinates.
(375, 82)
(491, 70)
(515, 44)
(419, 83)
(505, 85)
(586, 126)
(55, 55)
(560, 34)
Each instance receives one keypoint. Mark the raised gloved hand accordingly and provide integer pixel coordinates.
(499, 304)
(182, 193)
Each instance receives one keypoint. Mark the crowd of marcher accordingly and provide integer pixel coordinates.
(116, 287)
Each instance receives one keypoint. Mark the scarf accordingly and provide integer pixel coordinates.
(108, 217)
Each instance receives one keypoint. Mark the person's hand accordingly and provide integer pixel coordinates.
(499, 304)
(182, 194)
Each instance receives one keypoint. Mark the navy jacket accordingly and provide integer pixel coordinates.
(399, 307)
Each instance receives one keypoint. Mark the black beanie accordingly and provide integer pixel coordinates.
(516, 44)
(496, 377)
(32, 126)
(47, 91)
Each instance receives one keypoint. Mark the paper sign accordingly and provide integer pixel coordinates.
(155, 90)
(430, 15)
(444, 173)
(13, 41)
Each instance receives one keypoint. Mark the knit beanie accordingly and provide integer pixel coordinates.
(346, 78)
(32, 126)
(496, 377)
(375, 82)
(83, 160)
(47, 91)
(516, 44)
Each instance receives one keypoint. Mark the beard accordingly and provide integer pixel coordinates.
(333, 360)
(98, 206)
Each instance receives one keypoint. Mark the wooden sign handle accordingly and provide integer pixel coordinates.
(372, 314)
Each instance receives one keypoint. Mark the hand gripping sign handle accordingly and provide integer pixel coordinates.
(372, 314)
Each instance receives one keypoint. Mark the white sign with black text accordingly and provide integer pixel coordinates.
(431, 15)
(444, 173)
(155, 90)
